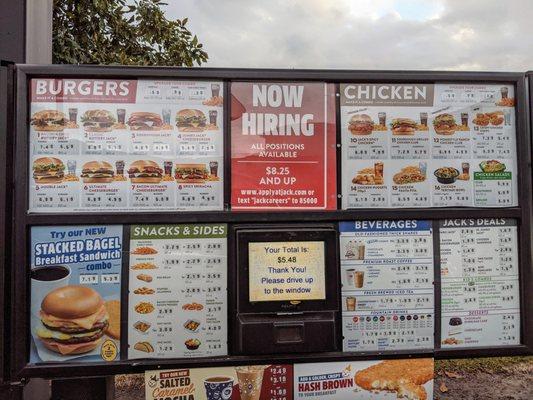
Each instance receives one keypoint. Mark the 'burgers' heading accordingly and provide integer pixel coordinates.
(278, 124)
(82, 87)
(84, 90)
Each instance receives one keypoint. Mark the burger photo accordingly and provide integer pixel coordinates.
(145, 171)
(49, 121)
(444, 124)
(361, 124)
(73, 320)
(48, 170)
(403, 126)
(145, 121)
(190, 120)
(98, 121)
(191, 173)
(97, 172)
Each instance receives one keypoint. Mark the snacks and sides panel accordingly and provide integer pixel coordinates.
(480, 283)
(428, 145)
(283, 146)
(125, 145)
(387, 276)
(75, 293)
(390, 379)
(251, 382)
(178, 291)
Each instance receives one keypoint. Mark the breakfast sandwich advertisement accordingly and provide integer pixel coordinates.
(428, 145)
(177, 291)
(283, 146)
(75, 293)
(250, 382)
(372, 380)
(125, 145)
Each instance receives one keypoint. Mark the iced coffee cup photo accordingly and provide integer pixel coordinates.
(250, 381)
(358, 279)
(350, 303)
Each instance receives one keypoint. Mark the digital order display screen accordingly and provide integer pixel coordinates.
(287, 271)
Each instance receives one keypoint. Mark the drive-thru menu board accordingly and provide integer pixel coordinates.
(178, 291)
(75, 293)
(480, 286)
(428, 145)
(387, 285)
(372, 380)
(117, 145)
(283, 146)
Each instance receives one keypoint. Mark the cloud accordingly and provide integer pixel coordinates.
(363, 34)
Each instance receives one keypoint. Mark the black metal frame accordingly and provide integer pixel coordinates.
(3, 194)
(19, 329)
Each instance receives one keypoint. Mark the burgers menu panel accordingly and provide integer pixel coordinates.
(178, 291)
(480, 283)
(75, 293)
(428, 145)
(387, 285)
(119, 145)
(283, 146)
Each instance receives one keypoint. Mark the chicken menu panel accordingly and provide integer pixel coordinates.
(125, 145)
(480, 283)
(387, 285)
(428, 145)
(177, 291)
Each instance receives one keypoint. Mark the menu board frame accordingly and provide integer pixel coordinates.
(22, 221)
(5, 189)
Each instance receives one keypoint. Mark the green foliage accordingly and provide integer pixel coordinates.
(121, 32)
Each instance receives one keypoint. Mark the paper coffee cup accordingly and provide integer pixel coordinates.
(44, 280)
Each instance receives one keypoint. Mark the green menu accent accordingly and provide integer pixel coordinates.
(181, 231)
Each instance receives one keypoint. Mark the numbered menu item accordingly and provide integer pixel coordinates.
(387, 285)
(390, 379)
(124, 145)
(428, 145)
(75, 293)
(251, 382)
(283, 146)
(480, 284)
(178, 291)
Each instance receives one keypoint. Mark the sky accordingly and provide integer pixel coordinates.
(489, 35)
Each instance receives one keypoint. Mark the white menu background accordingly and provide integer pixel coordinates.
(387, 267)
(189, 284)
(480, 285)
(75, 146)
(485, 131)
